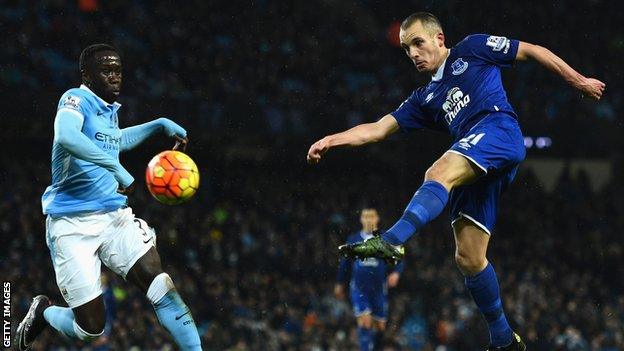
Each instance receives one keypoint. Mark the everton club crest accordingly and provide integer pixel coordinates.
(459, 66)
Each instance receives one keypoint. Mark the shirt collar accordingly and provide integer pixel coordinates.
(115, 105)
(365, 235)
(438, 75)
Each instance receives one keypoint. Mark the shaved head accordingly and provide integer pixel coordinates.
(429, 22)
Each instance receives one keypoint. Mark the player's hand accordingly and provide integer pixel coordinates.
(127, 190)
(592, 88)
(317, 150)
(393, 279)
(180, 143)
(339, 291)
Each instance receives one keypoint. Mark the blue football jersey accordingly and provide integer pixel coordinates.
(466, 88)
(367, 274)
(80, 186)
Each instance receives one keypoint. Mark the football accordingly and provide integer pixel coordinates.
(172, 177)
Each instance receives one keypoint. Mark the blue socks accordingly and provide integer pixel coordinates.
(366, 338)
(176, 318)
(377, 338)
(486, 294)
(61, 319)
(427, 203)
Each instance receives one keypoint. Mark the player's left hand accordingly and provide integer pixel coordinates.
(393, 279)
(180, 143)
(592, 87)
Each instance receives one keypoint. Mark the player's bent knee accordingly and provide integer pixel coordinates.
(159, 287)
(85, 335)
(365, 321)
(443, 172)
(150, 262)
(470, 264)
(452, 170)
(91, 316)
(435, 172)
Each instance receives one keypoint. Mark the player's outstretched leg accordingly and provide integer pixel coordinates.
(426, 204)
(172, 312)
(482, 283)
(447, 172)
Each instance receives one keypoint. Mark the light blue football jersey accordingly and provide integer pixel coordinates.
(80, 186)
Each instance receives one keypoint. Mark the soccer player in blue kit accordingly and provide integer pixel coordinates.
(370, 280)
(88, 221)
(466, 99)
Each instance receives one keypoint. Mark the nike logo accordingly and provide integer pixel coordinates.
(180, 316)
(100, 113)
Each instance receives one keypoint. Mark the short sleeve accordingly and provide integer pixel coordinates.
(409, 114)
(497, 50)
(73, 101)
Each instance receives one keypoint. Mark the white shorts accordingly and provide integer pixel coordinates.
(79, 244)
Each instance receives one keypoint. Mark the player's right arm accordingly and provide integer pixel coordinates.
(359, 135)
(343, 273)
(342, 276)
(68, 134)
(407, 117)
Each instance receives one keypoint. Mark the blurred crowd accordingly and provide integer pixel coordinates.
(299, 68)
(254, 254)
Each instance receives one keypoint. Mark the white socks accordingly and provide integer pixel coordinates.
(159, 287)
(83, 335)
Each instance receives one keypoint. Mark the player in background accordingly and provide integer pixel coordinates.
(465, 98)
(88, 221)
(369, 285)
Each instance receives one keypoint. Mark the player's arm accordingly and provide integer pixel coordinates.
(341, 278)
(589, 86)
(68, 134)
(395, 274)
(134, 136)
(359, 135)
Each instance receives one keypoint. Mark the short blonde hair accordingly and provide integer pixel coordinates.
(428, 20)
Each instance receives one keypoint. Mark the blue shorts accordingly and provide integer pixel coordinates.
(374, 303)
(496, 146)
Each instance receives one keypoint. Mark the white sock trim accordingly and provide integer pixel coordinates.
(83, 335)
(159, 287)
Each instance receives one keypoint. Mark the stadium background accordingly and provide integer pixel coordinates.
(255, 83)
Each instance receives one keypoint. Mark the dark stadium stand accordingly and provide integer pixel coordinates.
(254, 254)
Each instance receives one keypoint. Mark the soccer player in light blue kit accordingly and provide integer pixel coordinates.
(88, 221)
(465, 98)
(370, 279)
